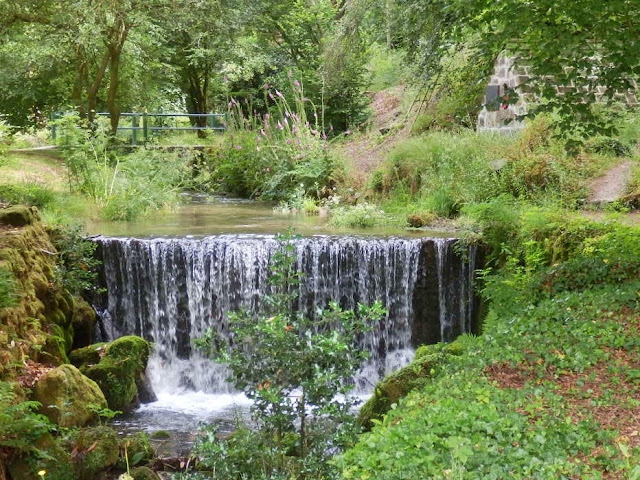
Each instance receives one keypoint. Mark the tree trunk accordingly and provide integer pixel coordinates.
(3, 472)
(197, 99)
(92, 91)
(121, 30)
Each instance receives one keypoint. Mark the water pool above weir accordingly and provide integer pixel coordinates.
(170, 290)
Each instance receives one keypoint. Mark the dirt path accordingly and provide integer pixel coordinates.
(365, 152)
(611, 186)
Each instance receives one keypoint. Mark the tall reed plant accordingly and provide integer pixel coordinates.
(271, 155)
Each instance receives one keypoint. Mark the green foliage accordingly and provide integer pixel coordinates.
(385, 67)
(31, 194)
(123, 187)
(8, 289)
(443, 172)
(363, 215)
(20, 426)
(270, 156)
(523, 400)
(77, 267)
(294, 369)
(5, 140)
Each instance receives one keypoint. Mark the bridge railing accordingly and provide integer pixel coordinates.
(142, 126)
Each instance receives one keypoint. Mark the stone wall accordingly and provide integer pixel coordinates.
(498, 116)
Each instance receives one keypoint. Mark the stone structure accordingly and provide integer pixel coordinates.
(497, 115)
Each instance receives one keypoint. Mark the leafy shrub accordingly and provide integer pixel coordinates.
(294, 369)
(20, 426)
(363, 215)
(5, 139)
(76, 268)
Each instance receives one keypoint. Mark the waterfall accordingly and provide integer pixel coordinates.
(170, 290)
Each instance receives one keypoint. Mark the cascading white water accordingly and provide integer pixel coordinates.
(171, 290)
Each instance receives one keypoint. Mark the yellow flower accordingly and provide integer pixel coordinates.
(42, 473)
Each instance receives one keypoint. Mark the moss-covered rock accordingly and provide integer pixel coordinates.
(117, 383)
(393, 387)
(49, 456)
(84, 323)
(120, 370)
(18, 216)
(25, 328)
(131, 349)
(144, 473)
(68, 397)
(87, 356)
(160, 435)
(94, 450)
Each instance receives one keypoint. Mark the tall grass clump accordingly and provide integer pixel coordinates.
(441, 172)
(123, 186)
(270, 156)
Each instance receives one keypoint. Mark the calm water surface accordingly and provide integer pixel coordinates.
(210, 215)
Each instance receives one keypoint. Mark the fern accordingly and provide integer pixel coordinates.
(20, 425)
(8, 295)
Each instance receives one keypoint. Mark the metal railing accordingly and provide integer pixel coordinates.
(142, 123)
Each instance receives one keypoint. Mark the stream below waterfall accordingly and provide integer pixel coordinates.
(171, 278)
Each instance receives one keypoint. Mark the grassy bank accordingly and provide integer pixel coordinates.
(550, 389)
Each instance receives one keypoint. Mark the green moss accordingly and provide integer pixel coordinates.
(116, 381)
(132, 350)
(29, 255)
(97, 451)
(160, 435)
(65, 395)
(84, 322)
(49, 456)
(398, 384)
(86, 356)
(18, 216)
(118, 371)
(144, 473)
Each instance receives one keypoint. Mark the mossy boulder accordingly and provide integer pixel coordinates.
(87, 356)
(84, 323)
(18, 216)
(67, 396)
(121, 370)
(52, 458)
(43, 306)
(94, 450)
(144, 473)
(426, 362)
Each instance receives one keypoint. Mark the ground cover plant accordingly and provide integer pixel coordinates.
(549, 390)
